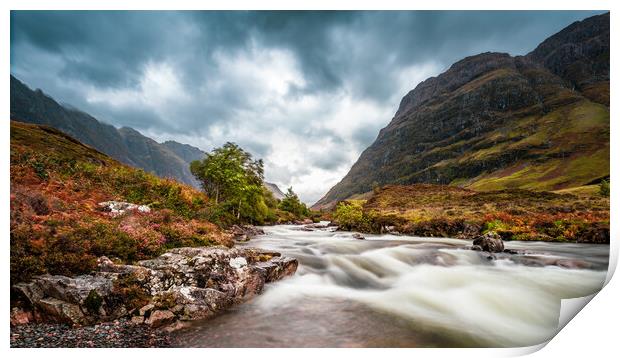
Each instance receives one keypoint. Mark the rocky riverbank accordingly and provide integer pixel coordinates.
(181, 285)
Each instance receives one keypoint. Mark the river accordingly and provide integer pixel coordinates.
(403, 291)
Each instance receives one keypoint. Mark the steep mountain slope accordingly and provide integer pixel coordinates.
(125, 145)
(493, 121)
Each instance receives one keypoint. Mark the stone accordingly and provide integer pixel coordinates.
(61, 312)
(278, 268)
(145, 310)
(245, 232)
(358, 236)
(115, 208)
(137, 320)
(160, 318)
(238, 262)
(20, 316)
(490, 242)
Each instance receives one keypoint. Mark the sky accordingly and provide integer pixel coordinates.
(305, 91)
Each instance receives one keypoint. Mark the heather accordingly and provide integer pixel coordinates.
(439, 210)
(57, 226)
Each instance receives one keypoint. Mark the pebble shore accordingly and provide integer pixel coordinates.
(117, 334)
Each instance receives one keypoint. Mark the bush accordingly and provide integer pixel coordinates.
(604, 188)
(350, 216)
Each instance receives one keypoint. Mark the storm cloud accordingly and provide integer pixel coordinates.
(307, 91)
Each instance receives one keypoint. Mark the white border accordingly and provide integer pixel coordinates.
(593, 331)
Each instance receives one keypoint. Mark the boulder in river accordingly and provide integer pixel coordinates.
(182, 284)
(358, 236)
(489, 242)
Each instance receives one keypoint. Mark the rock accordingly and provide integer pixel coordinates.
(594, 234)
(490, 242)
(278, 268)
(160, 318)
(20, 316)
(116, 208)
(358, 236)
(145, 310)
(238, 262)
(188, 283)
(137, 320)
(62, 312)
(245, 232)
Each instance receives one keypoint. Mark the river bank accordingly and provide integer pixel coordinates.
(448, 211)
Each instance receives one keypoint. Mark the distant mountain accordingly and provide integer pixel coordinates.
(493, 121)
(277, 193)
(184, 151)
(168, 159)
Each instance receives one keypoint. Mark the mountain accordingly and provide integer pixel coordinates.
(184, 151)
(493, 121)
(168, 159)
(275, 190)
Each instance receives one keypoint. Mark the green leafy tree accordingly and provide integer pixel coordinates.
(293, 205)
(234, 181)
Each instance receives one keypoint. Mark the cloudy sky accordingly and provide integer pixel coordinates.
(305, 91)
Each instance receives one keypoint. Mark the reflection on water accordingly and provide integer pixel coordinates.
(389, 291)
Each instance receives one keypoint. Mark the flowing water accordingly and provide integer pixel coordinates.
(400, 291)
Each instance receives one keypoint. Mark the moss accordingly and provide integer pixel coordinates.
(130, 291)
(164, 301)
(93, 302)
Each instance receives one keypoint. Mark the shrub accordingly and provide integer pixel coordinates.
(93, 302)
(350, 216)
(604, 188)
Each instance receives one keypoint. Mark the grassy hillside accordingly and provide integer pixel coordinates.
(57, 226)
(569, 147)
(441, 210)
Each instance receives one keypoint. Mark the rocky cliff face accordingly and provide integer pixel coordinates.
(169, 159)
(494, 121)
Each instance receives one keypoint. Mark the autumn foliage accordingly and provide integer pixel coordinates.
(57, 226)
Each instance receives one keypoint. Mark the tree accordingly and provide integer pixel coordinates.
(292, 204)
(233, 180)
